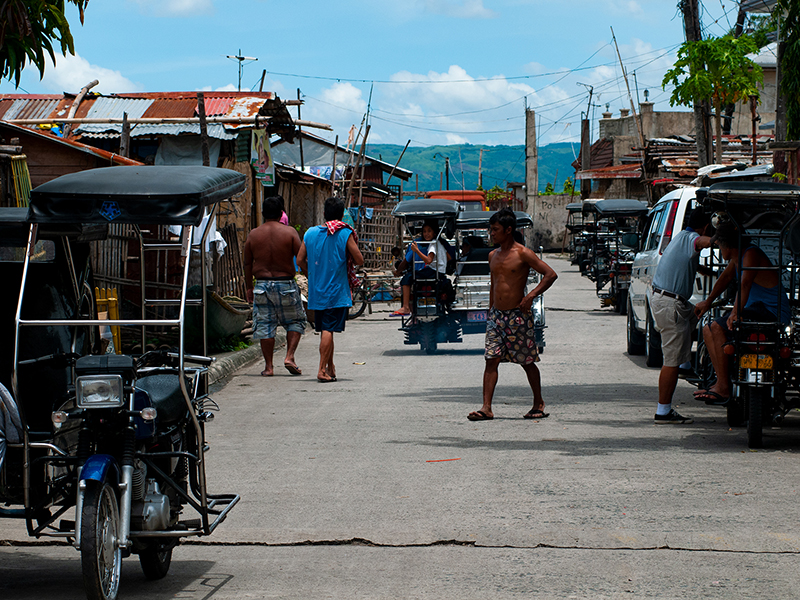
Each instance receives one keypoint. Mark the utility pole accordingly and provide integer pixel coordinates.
(691, 24)
(480, 170)
(531, 172)
(447, 171)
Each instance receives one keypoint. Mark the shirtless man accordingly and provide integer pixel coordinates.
(269, 254)
(510, 333)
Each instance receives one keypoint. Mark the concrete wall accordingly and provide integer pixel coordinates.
(550, 220)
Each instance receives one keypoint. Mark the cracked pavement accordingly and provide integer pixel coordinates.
(377, 486)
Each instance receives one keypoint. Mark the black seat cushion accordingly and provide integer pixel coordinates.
(164, 390)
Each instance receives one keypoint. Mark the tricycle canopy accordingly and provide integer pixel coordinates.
(426, 208)
(158, 195)
(475, 219)
(574, 207)
(617, 207)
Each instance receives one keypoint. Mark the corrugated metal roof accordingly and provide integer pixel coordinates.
(31, 108)
(110, 107)
(215, 130)
(217, 106)
(166, 107)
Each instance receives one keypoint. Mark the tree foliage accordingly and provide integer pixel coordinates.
(716, 70)
(790, 65)
(28, 30)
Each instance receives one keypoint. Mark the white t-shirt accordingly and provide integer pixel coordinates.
(440, 261)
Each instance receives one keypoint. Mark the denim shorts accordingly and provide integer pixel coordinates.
(277, 302)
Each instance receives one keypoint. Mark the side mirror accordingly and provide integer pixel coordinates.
(631, 240)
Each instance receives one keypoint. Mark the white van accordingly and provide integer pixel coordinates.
(664, 220)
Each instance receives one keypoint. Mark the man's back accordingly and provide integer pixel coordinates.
(273, 247)
(327, 268)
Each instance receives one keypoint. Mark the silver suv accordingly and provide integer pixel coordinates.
(664, 220)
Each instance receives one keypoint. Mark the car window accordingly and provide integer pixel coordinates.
(656, 224)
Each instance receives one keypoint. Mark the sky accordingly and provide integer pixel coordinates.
(429, 71)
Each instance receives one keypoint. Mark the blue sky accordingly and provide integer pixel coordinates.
(440, 71)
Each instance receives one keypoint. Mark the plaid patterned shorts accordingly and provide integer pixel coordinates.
(277, 302)
(510, 336)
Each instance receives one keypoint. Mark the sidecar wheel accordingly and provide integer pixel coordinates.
(155, 560)
(101, 557)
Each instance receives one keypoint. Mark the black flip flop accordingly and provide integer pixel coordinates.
(479, 415)
(535, 414)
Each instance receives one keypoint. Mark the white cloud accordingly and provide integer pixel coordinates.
(453, 139)
(226, 88)
(71, 73)
(174, 8)
(462, 9)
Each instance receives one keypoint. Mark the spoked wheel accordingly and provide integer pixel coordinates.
(101, 557)
(155, 559)
(652, 344)
(755, 417)
(359, 304)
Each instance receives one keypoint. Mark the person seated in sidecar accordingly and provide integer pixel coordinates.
(431, 263)
(759, 292)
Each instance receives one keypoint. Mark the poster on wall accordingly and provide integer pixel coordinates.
(261, 157)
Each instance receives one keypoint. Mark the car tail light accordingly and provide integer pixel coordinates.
(757, 339)
(667, 238)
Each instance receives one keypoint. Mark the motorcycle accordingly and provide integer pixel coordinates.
(106, 451)
(764, 353)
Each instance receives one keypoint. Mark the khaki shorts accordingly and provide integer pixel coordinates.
(675, 321)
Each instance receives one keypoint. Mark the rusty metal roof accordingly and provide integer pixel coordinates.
(111, 157)
(615, 172)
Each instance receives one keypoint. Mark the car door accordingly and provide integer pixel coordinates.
(644, 264)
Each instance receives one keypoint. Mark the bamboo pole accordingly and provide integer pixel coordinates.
(160, 121)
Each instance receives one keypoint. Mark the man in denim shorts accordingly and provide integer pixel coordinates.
(269, 254)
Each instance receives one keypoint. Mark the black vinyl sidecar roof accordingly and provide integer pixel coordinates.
(476, 219)
(422, 208)
(617, 207)
(574, 207)
(159, 195)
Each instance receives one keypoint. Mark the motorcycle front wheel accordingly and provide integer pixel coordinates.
(101, 557)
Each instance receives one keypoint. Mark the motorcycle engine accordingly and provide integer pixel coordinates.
(152, 512)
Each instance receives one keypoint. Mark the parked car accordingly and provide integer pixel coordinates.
(664, 220)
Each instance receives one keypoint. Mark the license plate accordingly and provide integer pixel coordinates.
(755, 361)
(426, 302)
(476, 316)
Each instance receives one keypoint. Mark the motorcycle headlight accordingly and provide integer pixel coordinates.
(99, 391)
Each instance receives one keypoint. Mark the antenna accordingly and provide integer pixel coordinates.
(241, 60)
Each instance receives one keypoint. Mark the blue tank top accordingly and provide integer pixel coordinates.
(768, 297)
(328, 286)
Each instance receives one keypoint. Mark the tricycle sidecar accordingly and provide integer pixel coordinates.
(430, 322)
(108, 450)
(612, 247)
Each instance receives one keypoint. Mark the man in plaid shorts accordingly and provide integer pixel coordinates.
(510, 335)
(269, 254)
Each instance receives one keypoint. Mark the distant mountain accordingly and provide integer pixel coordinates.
(501, 164)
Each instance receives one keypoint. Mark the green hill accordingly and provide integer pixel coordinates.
(501, 164)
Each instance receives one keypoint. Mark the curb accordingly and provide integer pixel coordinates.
(227, 363)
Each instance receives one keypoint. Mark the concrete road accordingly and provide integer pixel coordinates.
(377, 486)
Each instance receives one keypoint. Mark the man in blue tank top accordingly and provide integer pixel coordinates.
(673, 314)
(324, 256)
